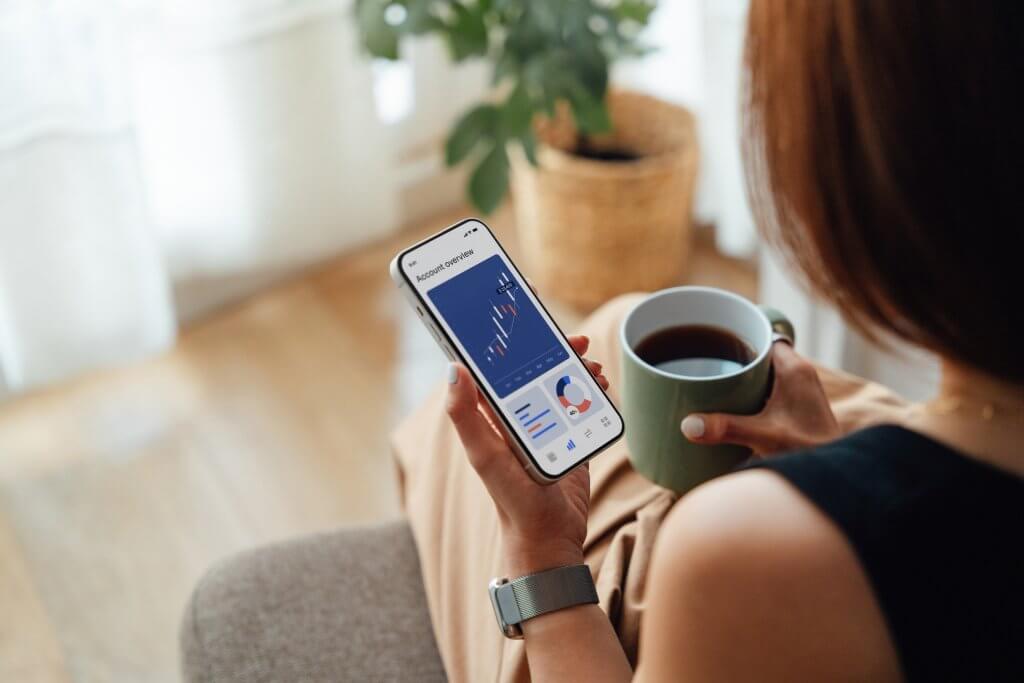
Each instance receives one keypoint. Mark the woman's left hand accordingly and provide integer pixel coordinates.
(796, 415)
(542, 526)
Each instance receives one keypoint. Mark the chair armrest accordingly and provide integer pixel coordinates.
(341, 606)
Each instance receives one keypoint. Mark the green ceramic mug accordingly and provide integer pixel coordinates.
(655, 401)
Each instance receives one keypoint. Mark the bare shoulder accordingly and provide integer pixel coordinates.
(750, 581)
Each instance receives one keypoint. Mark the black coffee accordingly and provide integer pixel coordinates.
(695, 351)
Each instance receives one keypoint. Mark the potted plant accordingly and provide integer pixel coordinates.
(603, 178)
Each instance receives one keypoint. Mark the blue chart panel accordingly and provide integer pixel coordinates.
(499, 326)
(536, 417)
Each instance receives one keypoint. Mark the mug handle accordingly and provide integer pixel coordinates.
(781, 326)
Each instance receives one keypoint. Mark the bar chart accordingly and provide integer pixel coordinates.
(537, 417)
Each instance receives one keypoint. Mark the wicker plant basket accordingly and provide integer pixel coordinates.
(593, 229)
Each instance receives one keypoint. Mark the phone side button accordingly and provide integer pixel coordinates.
(442, 343)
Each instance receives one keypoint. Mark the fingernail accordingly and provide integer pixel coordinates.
(453, 373)
(693, 427)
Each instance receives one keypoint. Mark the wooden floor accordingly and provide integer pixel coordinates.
(267, 420)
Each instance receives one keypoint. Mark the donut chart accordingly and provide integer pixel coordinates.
(573, 394)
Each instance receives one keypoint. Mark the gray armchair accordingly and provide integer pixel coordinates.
(341, 606)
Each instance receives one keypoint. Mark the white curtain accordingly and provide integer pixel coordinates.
(81, 281)
(147, 145)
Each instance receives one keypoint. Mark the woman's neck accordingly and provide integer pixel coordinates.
(977, 414)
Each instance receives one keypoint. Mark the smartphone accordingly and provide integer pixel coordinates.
(477, 306)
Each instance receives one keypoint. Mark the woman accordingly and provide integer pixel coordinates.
(883, 158)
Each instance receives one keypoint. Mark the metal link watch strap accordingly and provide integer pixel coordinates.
(535, 594)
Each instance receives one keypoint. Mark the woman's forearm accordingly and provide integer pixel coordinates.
(542, 527)
(575, 644)
(569, 645)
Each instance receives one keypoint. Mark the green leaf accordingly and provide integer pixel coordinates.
(420, 19)
(378, 38)
(545, 16)
(467, 132)
(592, 67)
(529, 142)
(467, 34)
(590, 113)
(505, 65)
(526, 39)
(533, 72)
(489, 182)
(516, 112)
(556, 75)
(636, 10)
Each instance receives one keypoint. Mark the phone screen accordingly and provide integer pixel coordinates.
(546, 396)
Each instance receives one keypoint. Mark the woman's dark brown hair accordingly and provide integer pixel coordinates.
(883, 142)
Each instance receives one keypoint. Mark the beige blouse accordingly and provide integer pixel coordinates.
(456, 529)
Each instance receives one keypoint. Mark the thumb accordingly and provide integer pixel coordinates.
(752, 431)
(475, 432)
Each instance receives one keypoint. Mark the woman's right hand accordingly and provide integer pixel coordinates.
(797, 414)
(541, 526)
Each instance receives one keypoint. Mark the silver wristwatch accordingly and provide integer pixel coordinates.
(530, 596)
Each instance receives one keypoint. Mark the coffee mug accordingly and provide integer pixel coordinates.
(655, 401)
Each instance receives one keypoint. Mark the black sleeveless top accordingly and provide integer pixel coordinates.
(940, 537)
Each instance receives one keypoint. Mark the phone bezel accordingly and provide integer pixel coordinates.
(524, 448)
